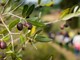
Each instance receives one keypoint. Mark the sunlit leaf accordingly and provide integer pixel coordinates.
(13, 23)
(6, 38)
(9, 52)
(22, 39)
(33, 30)
(64, 12)
(3, 31)
(68, 16)
(49, 4)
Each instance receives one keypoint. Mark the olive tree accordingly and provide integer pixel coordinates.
(17, 27)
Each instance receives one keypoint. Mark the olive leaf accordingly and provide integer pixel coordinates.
(39, 1)
(6, 38)
(30, 10)
(41, 38)
(9, 52)
(64, 12)
(68, 16)
(36, 23)
(22, 39)
(25, 8)
(13, 24)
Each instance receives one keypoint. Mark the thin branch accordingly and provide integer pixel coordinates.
(16, 16)
(52, 22)
(12, 42)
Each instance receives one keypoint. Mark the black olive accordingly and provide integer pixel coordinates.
(19, 26)
(28, 25)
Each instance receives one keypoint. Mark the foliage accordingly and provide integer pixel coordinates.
(23, 27)
(29, 29)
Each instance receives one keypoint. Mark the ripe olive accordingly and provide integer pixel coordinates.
(3, 45)
(66, 25)
(27, 17)
(62, 27)
(29, 25)
(19, 26)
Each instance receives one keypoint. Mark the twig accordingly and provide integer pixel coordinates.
(16, 16)
(12, 42)
(53, 22)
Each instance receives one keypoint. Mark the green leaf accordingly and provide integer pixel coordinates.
(69, 16)
(9, 52)
(25, 8)
(64, 12)
(13, 24)
(30, 10)
(7, 4)
(6, 38)
(36, 23)
(3, 31)
(22, 39)
(19, 58)
(41, 38)
(39, 1)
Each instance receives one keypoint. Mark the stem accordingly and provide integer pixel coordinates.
(12, 42)
(16, 16)
(53, 22)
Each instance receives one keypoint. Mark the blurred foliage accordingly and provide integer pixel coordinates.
(44, 52)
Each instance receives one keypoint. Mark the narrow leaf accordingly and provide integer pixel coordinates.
(40, 38)
(33, 30)
(64, 13)
(36, 23)
(39, 1)
(69, 16)
(9, 52)
(13, 24)
(6, 38)
(22, 39)
(25, 8)
(30, 10)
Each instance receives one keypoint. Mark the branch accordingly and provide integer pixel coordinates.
(12, 42)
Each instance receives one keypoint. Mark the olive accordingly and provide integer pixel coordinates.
(2, 4)
(27, 17)
(19, 26)
(2, 55)
(66, 25)
(3, 45)
(29, 25)
(62, 27)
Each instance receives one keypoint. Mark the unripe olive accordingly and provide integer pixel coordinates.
(19, 26)
(3, 45)
(29, 25)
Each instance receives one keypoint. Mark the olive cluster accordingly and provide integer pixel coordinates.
(26, 24)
